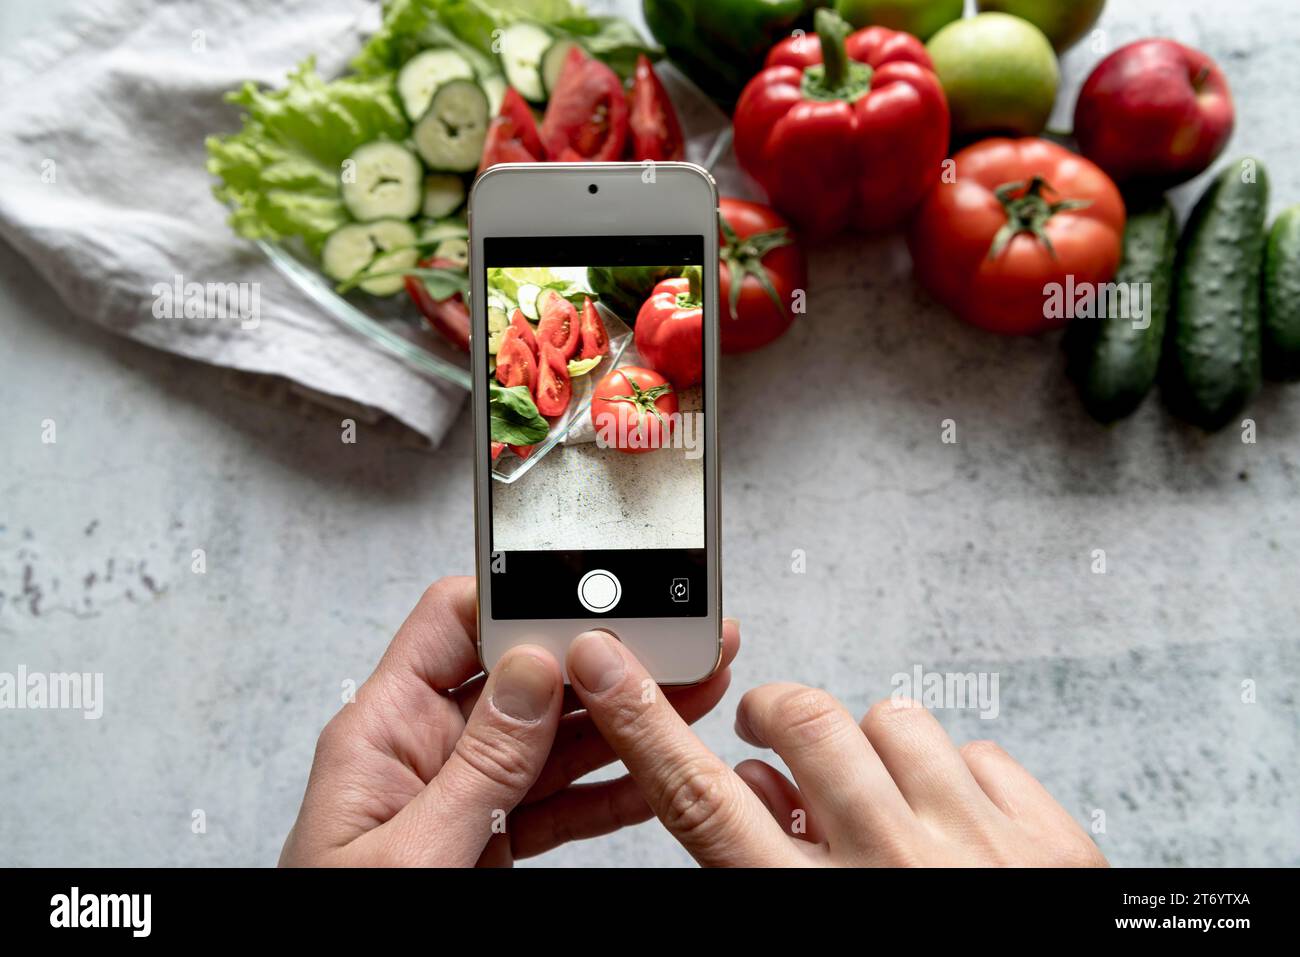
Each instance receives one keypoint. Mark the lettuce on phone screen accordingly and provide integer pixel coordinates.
(596, 361)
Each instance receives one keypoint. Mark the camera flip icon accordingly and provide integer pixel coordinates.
(680, 589)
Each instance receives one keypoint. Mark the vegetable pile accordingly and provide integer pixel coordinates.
(544, 331)
(370, 171)
(849, 128)
(885, 116)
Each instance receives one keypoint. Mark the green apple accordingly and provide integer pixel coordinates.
(1064, 21)
(921, 18)
(999, 72)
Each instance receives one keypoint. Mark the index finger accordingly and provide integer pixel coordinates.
(701, 801)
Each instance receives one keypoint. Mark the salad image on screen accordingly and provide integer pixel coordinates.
(597, 369)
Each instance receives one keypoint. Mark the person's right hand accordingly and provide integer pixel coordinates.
(892, 790)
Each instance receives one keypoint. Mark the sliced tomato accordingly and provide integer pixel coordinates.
(587, 113)
(559, 323)
(656, 133)
(512, 135)
(497, 448)
(524, 330)
(448, 317)
(515, 363)
(517, 110)
(553, 386)
(523, 451)
(552, 357)
(595, 340)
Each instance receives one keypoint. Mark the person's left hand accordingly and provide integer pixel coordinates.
(434, 765)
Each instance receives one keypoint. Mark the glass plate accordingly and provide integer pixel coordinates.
(510, 467)
(394, 324)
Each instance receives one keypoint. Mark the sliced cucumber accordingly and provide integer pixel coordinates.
(444, 193)
(522, 47)
(553, 63)
(357, 246)
(498, 323)
(494, 85)
(424, 73)
(528, 294)
(384, 182)
(433, 232)
(449, 137)
(457, 250)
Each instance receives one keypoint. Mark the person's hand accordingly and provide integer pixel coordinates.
(431, 765)
(893, 790)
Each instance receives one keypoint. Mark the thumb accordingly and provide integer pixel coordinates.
(498, 757)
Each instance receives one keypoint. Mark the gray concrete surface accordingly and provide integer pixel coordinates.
(1122, 691)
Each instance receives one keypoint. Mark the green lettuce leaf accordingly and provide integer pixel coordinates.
(279, 174)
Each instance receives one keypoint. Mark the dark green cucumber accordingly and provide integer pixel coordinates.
(1213, 352)
(1114, 360)
(1282, 298)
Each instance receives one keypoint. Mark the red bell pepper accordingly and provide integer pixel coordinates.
(847, 132)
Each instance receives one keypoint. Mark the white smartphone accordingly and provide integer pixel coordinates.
(596, 464)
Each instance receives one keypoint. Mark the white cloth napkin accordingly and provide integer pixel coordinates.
(104, 190)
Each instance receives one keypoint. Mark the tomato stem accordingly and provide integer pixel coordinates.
(744, 258)
(642, 399)
(1028, 211)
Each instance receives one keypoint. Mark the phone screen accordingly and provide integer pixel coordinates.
(598, 464)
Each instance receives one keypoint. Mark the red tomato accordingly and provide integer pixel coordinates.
(632, 409)
(524, 330)
(523, 451)
(559, 323)
(595, 340)
(496, 450)
(656, 134)
(1022, 214)
(512, 135)
(553, 386)
(448, 317)
(515, 363)
(760, 268)
(670, 330)
(587, 113)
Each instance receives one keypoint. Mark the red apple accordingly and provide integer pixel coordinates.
(1154, 114)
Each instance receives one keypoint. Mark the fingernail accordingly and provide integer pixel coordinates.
(595, 661)
(524, 687)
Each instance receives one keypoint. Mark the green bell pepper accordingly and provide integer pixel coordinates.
(720, 44)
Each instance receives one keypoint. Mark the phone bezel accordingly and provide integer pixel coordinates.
(553, 199)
